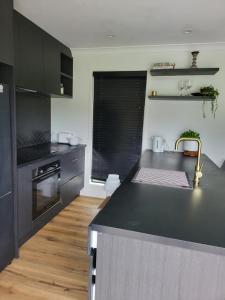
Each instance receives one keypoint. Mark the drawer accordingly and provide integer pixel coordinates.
(71, 189)
(72, 164)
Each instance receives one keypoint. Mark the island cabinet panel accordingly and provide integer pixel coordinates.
(6, 32)
(28, 54)
(136, 269)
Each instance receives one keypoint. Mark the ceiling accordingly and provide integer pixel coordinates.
(87, 23)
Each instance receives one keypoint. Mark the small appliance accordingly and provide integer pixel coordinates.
(74, 140)
(64, 137)
(158, 144)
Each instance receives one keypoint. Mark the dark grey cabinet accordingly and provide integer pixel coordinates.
(28, 54)
(72, 174)
(7, 230)
(72, 181)
(51, 65)
(40, 59)
(7, 247)
(24, 202)
(72, 164)
(5, 142)
(6, 32)
(71, 189)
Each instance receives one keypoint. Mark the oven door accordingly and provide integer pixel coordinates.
(46, 193)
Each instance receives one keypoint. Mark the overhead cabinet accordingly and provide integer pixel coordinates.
(39, 59)
(6, 32)
(51, 65)
(28, 54)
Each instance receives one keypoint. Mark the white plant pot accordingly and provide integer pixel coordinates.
(190, 146)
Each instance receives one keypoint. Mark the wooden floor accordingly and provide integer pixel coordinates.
(53, 265)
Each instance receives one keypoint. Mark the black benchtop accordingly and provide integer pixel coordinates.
(189, 215)
(32, 154)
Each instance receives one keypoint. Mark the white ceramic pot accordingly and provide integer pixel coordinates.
(190, 146)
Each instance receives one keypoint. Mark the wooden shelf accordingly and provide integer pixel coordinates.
(182, 72)
(180, 98)
(62, 96)
(66, 75)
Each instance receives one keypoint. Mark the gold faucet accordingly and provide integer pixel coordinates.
(198, 168)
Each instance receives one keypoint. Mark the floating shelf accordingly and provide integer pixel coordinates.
(180, 98)
(180, 72)
(62, 96)
(66, 75)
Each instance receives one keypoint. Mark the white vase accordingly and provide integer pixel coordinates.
(111, 184)
(191, 146)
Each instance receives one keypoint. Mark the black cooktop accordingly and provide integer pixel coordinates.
(29, 154)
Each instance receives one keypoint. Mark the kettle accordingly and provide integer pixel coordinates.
(158, 144)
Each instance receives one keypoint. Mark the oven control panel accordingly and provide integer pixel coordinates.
(46, 169)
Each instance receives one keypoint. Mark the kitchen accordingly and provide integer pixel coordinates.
(64, 114)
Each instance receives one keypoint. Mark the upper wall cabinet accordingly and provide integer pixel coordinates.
(6, 32)
(51, 65)
(38, 60)
(28, 54)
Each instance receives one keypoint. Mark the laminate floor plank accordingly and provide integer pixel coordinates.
(53, 264)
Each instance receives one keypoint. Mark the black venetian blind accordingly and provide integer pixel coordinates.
(119, 99)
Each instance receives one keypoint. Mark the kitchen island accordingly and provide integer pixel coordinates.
(161, 243)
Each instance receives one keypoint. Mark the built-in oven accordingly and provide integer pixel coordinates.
(46, 188)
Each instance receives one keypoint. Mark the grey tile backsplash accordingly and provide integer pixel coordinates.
(33, 113)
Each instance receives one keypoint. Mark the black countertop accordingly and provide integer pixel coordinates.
(191, 215)
(32, 154)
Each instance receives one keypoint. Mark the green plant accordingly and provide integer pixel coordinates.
(213, 93)
(190, 134)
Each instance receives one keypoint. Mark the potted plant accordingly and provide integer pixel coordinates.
(190, 147)
(213, 93)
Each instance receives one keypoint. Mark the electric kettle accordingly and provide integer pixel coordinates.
(158, 144)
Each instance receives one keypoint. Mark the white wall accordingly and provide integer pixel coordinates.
(164, 118)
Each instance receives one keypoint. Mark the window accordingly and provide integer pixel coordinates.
(119, 99)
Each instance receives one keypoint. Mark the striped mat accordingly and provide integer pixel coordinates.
(161, 177)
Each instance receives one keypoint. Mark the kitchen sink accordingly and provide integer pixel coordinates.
(169, 178)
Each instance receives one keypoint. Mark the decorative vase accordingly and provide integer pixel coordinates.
(190, 148)
(194, 59)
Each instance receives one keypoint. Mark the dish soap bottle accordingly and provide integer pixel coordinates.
(61, 89)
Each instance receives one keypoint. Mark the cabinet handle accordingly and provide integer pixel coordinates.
(93, 279)
(94, 254)
(75, 159)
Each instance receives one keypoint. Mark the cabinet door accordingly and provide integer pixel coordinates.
(5, 143)
(24, 202)
(51, 65)
(71, 189)
(72, 164)
(6, 31)
(7, 230)
(28, 54)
